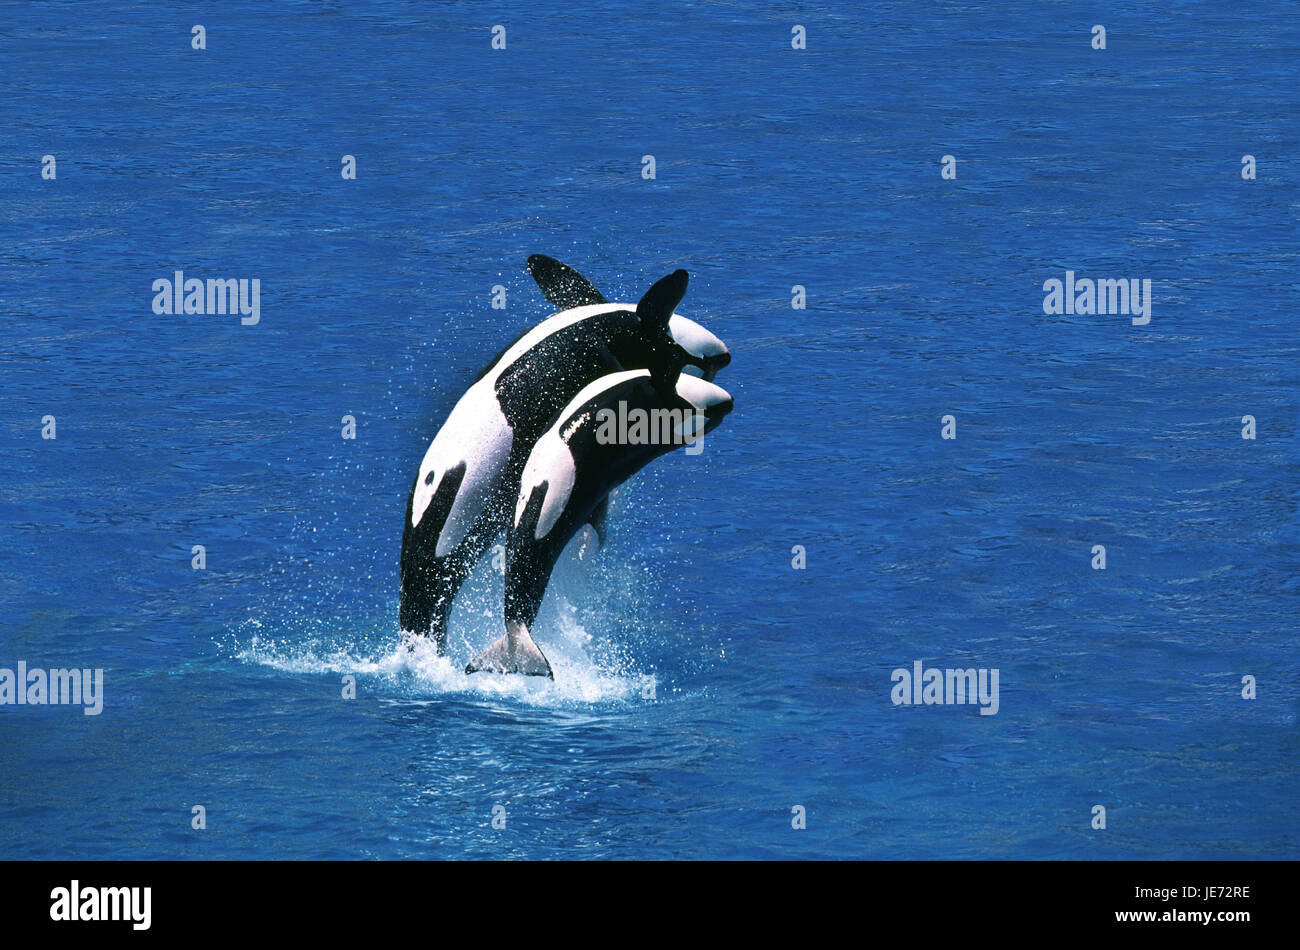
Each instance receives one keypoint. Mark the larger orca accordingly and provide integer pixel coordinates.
(572, 467)
(460, 500)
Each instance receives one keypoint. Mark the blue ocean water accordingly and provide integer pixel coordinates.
(775, 167)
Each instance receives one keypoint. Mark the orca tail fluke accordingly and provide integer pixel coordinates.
(513, 653)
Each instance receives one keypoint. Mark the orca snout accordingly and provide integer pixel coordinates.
(705, 351)
(720, 406)
(713, 415)
(714, 363)
(706, 398)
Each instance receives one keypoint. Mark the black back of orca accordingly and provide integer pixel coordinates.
(542, 381)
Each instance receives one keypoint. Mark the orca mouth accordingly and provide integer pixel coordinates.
(705, 402)
(710, 365)
(713, 415)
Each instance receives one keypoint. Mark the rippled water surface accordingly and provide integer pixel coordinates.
(775, 168)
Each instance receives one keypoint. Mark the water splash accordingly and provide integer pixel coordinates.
(590, 666)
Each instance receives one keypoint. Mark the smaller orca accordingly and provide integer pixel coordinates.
(569, 474)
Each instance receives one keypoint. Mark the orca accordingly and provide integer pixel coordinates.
(460, 500)
(570, 471)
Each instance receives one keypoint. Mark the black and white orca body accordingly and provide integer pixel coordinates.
(572, 468)
(461, 498)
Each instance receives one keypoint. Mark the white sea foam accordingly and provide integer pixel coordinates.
(590, 666)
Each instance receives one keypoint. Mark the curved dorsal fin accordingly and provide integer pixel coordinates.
(561, 284)
(662, 299)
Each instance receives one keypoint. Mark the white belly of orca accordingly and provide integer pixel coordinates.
(477, 434)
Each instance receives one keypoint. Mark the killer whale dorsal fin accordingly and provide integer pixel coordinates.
(561, 284)
(659, 302)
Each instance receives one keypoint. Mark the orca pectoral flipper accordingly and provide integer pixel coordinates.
(561, 284)
(598, 518)
(513, 653)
